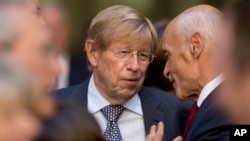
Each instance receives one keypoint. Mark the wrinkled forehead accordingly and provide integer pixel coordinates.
(131, 35)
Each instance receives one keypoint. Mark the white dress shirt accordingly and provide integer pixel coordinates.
(131, 123)
(208, 88)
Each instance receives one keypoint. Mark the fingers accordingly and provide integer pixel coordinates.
(159, 132)
(156, 132)
(179, 138)
(151, 135)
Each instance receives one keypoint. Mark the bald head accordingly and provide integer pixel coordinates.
(202, 18)
(189, 42)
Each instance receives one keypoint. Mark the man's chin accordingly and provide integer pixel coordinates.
(46, 111)
(179, 96)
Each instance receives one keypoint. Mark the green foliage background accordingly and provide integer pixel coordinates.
(82, 11)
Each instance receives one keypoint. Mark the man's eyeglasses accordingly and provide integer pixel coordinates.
(125, 55)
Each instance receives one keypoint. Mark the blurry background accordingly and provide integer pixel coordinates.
(82, 11)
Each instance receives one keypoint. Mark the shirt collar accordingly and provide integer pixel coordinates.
(96, 101)
(208, 88)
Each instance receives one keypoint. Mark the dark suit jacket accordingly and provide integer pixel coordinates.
(156, 105)
(209, 124)
(78, 70)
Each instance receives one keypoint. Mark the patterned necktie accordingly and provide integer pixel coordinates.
(112, 114)
(190, 119)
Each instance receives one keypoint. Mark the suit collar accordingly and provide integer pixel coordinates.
(208, 103)
(209, 88)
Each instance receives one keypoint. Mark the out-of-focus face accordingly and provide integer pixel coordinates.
(116, 79)
(179, 68)
(18, 125)
(58, 26)
(33, 50)
(33, 6)
(234, 93)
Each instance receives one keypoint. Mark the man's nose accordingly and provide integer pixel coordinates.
(166, 72)
(133, 63)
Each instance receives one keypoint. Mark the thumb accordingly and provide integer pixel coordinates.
(179, 138)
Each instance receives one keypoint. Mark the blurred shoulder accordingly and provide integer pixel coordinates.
(73, 92)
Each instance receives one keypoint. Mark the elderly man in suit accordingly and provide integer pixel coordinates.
(120, 45)
(189, 44)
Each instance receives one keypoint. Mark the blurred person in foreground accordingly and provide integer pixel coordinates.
(189, 44)
(154, 76)
(120, 45)
(72, 123)
(73, 69)
(17, 122)
(234, 60)
(24, 36)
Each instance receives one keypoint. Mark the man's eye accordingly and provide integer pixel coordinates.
(123, 53)
(144, 55)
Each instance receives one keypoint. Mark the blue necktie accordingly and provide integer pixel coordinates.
(112, 114)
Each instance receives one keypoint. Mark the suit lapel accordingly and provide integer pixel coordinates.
(200, 113)
(152, 115)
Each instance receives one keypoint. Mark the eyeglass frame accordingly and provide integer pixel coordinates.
(151, 56)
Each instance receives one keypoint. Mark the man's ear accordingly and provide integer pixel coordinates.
(91, 52)
(197, 44)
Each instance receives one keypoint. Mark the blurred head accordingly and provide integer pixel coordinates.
(188, 43)
(119, 46)
(16, 119)
(234, 60)
(30, 45)
(72, 123)
(57, 21)
(32, 6)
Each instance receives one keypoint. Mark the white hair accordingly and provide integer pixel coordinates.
(205, 21)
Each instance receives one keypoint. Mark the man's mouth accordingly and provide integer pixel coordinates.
(132, 80)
